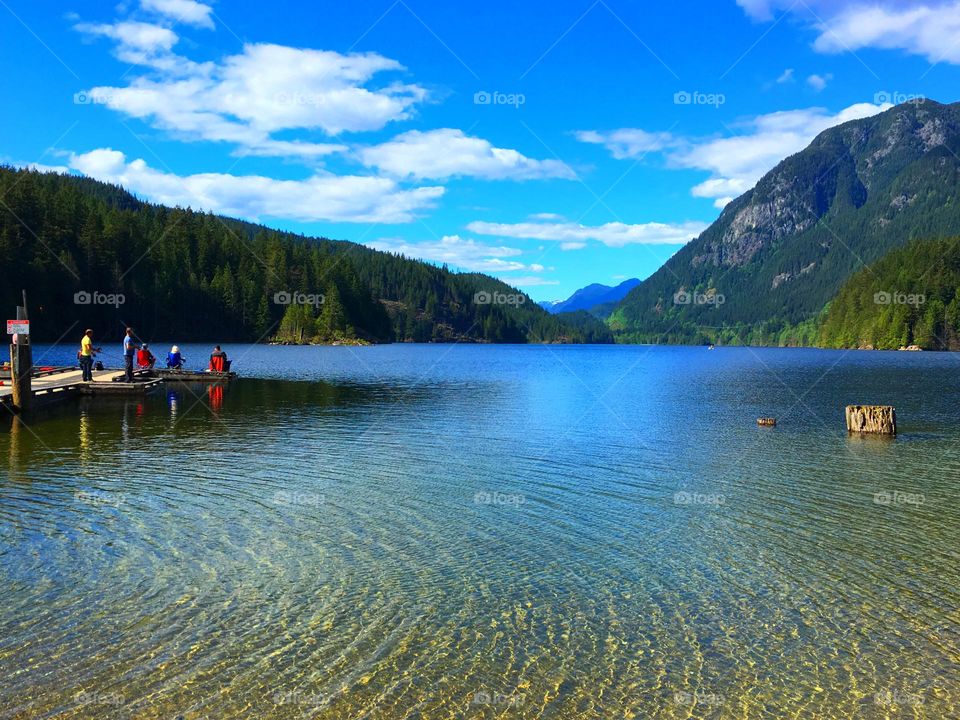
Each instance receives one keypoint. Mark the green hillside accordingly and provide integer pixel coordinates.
(910, 297)
(79, 246)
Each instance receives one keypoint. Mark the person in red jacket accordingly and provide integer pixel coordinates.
(145, 358)
(218, 360)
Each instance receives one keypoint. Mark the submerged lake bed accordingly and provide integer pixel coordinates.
(436, 531)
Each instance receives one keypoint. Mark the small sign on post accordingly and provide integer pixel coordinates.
(18, 327)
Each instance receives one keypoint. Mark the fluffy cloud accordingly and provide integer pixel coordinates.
(189, 12)
(819, 82)
(464, 253)
(627, 142)
(446, 152)
(138, 43)
(926, 28)
(247, 97)
(320, 197)
(612, 234)
(736, 163)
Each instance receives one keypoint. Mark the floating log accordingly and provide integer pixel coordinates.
(767, 421)
(879, 419)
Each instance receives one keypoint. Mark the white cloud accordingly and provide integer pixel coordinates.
(138, 43)
(786, 76)
(40, 167)
(320, 197)
(627, 142)
(819, 82)
(546, 216)
(572, 245)
(720, 187)
(736, 163)
(461, 252)
(188, 12)
(447, 152)
(529, 281)
(757, 9)
(613, 234)
(928, 28)
(263, 90)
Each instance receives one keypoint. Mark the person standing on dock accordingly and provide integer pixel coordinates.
(86, 355)
(130, 346)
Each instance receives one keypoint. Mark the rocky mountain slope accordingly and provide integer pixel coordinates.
(781, 251)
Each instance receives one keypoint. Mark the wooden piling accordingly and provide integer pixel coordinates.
(878, 419)
(21, 365)
(21, 371)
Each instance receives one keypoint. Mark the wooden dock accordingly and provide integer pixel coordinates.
(55, 385)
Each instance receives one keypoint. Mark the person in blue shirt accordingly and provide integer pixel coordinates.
(130, 347)
(174, 359)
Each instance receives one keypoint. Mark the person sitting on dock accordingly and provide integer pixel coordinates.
(145, 358)
(174, 359)
(130, 346)
(218, 360)
(87, 351)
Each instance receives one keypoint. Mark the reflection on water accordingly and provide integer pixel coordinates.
(489, 532)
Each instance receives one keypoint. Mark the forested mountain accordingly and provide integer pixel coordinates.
(92, 255)
(909, 297)
(764, 270)
(596, 298)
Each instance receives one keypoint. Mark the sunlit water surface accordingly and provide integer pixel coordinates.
(480, 531)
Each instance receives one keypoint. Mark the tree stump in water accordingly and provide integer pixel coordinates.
(879, 419)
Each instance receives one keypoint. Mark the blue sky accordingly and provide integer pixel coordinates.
(551, 147)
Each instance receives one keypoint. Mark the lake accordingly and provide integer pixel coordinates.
(450, 531)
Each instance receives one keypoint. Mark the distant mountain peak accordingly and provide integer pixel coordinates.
(592, 297)
(780, 251)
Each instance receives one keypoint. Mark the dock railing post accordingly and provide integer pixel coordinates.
(21, 365)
